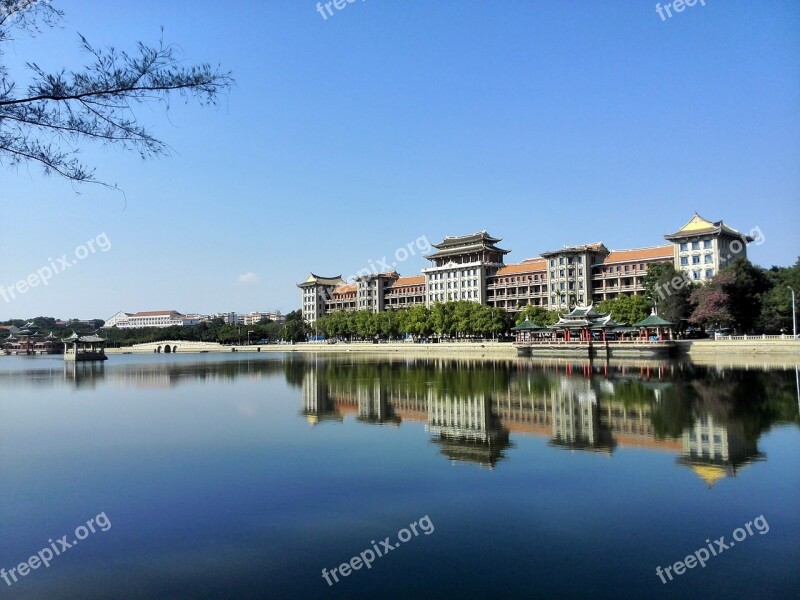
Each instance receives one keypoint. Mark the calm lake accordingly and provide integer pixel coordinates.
(228, 476)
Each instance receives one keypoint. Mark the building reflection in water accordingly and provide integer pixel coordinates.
(84, 374)
(373, 404)
(714, 450)
(466, 427)
(710, 418)
(472, 408)
(317, 404)
(577, 422)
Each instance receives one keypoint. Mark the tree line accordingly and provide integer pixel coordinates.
(459, 319)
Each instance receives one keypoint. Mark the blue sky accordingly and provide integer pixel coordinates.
(547, 123)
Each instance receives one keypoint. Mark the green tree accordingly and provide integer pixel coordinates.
(776, 308)
(745, 293)
(626, 309)
(295, 328)
(672, 292)
(653, 277)
(46, 120)
(537, 314)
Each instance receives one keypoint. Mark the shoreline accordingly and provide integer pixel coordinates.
(700, 351)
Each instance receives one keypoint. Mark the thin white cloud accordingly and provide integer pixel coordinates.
(248, 278)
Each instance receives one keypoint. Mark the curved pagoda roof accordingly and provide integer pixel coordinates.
(466, 244)
(314, 279)
(698, 226)
(582, 317)
(91, 338)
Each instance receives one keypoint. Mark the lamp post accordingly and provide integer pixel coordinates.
(794, 318)
(248, 336)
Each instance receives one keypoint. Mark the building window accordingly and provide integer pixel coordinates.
(579, 260)
(696, 274)
(684, 260)
(706, 243)
(695, 245)
(709, 272)
(684, 247)
(695, 260)
(627, 268)
(709, 258)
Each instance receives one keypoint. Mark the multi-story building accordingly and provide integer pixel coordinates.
(702, 248)
(317, 293)
(471, 267)
(404, 292)
(514, 286)
(254, 318)
(460, 267)
(569, 274)
(622, 272)
(155, 318)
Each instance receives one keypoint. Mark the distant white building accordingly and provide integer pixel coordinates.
(254, 318)
(230, 318)
(155, 318)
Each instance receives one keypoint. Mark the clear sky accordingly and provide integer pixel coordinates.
(547, 123)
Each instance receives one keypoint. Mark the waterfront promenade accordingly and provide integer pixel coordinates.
(707, 350)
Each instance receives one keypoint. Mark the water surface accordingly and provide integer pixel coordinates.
(243, 477)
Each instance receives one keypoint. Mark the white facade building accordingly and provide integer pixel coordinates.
(156, 318)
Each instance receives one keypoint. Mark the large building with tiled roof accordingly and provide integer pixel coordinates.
(473, 268)
(622, 272)
(150, 318)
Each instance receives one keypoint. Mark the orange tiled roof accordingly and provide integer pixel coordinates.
(654, 252)
(534, 266)
(344, 289)
(411, 280)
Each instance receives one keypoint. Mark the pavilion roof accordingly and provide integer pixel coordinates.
(91, 338)
(653, 321)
